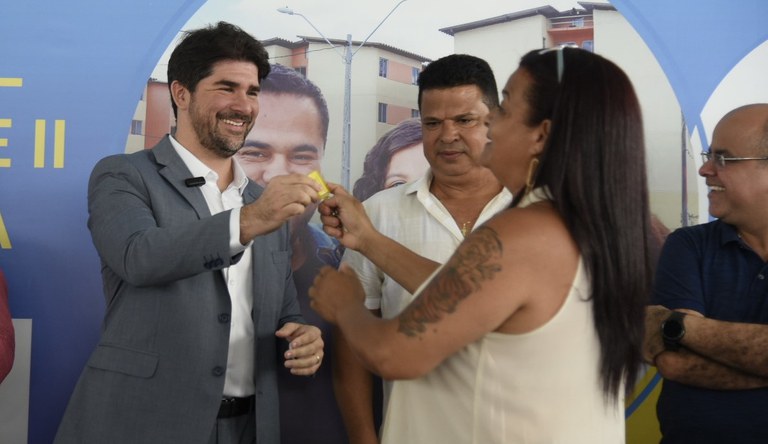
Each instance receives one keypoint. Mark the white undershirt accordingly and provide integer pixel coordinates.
(238, 277)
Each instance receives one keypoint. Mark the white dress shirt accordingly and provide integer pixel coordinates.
(414, 217)
(238, 277)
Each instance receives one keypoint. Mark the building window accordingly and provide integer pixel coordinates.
(415, 75)
(382, 112)
(136, 127)
(415, 113)
(383, 67)
(589, 45)
(577, 23)
(301, 70)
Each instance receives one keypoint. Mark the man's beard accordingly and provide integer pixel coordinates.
(212, 139)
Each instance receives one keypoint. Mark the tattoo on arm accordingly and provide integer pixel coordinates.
(478, 260)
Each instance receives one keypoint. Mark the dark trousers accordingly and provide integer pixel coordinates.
(240, 429)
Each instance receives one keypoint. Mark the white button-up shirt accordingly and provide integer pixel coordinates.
(414, 217)
(240, 359)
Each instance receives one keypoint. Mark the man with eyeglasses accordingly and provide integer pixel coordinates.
(428, 217)
(709, 334)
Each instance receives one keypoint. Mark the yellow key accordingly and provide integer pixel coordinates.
(325, 193)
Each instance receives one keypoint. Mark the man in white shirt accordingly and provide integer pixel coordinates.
(409, 230)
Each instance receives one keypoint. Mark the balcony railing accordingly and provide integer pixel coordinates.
(571, 22)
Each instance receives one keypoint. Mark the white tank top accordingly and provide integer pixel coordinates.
(538, 387)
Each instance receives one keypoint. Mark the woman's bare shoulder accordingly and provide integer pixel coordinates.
(534, 236)
(537, 223)
(540, 259)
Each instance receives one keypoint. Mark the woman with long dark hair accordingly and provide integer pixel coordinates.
(532, 331)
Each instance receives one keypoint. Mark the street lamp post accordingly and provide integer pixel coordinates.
(347, 59)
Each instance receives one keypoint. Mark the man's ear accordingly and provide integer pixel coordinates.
(180, 95)
(542, 134)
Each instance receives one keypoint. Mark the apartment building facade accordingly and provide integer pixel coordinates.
(383, 90)
(599, 27)
(383, 94)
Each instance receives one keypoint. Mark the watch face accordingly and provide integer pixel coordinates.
(672, 329)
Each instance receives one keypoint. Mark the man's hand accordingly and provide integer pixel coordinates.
(344, 218)
(305, 351)
(334, 291)
(284, 197)
(653, 344)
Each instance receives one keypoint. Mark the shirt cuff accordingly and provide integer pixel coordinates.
(235, 247)
(373, 304)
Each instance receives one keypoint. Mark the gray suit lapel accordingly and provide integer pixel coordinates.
(176, 172)
(251, 193)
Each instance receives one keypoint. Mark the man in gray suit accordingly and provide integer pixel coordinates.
(196, 268)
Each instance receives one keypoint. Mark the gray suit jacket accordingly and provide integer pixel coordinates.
(157, 373)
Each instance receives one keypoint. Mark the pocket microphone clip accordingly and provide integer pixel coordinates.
(194, 182)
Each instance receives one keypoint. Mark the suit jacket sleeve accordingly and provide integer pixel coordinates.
(145, 231)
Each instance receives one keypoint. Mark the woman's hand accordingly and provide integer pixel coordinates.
(335, 291)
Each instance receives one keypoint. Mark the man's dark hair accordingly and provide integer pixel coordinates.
(284, 80)
(193, 59)
(460, 70)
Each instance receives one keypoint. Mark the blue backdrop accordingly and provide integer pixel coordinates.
(86, 63)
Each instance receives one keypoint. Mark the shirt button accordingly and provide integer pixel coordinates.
(224, 317)
(218, 371)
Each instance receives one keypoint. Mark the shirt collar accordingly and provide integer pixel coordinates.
(420, 185)
(199, 169)
(239, 180)
(729, 233)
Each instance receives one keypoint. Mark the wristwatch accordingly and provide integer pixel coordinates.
(673, 330)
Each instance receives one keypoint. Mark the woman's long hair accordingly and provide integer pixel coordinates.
(594, 166)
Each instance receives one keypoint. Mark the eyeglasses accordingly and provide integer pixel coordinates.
(720, 159)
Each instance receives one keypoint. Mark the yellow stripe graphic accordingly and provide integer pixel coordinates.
(12, 82)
